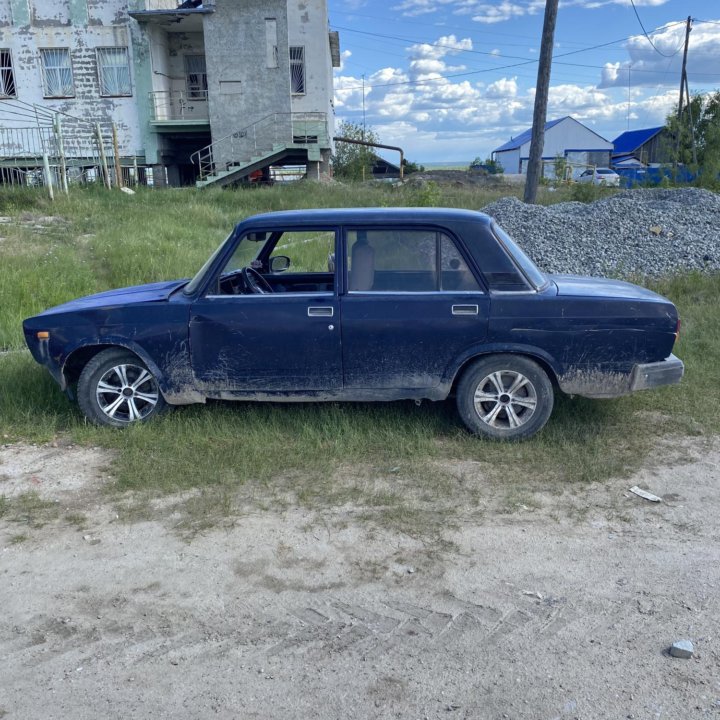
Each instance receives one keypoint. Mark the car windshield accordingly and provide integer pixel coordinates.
(604, 171)
(192, 286)
(531, 271)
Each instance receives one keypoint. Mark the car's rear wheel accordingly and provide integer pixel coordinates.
(116, 389)
(505, 397)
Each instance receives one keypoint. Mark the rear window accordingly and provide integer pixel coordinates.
(528, 267)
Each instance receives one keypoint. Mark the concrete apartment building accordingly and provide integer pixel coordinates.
(199, 91)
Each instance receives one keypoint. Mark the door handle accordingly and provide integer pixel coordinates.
(323, 311)
(465, 309)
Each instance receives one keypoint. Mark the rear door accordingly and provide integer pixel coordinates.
(412, 306)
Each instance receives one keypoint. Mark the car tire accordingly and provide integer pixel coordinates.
(116, 389)
(505, 397)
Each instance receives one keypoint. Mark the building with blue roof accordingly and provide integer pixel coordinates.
(641, 148)
(566, 138)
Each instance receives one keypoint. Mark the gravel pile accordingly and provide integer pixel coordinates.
(636, 232)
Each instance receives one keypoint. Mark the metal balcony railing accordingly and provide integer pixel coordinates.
(169, 105)
(261, 137)
(157, 5)
(143, 6)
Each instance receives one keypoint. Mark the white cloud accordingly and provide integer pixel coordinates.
(488, 12)
(411, 8)
(503, 88)
(647, 67)
(445, 45)
(432, 116)
(344, 55)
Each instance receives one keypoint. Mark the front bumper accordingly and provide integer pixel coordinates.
(651, 375)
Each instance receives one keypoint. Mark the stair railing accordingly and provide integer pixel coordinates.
(238, 148)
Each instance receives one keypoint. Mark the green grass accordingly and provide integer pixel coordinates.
(412, 468)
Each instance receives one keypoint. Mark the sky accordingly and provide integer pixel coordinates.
(451, 80)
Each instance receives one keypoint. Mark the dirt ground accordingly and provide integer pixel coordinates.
(562, 610)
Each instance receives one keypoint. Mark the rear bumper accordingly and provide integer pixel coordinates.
(604, 382)
(650, 375)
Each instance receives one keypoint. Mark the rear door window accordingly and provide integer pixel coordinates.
(415, 260)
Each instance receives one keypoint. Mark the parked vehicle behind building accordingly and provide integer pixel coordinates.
(600, 176)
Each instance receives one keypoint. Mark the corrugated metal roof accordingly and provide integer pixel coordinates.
(524, 137)
(631, 140)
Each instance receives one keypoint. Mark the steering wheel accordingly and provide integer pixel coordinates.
(256, 282)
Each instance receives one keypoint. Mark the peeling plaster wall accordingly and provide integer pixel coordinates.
(45, 14)
(241, 88)
(5, 13)
(308, 27)
(50, 28)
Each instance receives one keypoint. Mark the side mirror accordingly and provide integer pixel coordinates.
(279, 263)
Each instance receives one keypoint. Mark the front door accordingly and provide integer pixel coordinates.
(264, 331)
(284, 342)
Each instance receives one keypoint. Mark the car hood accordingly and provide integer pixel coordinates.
(574, 285)
(154, 292)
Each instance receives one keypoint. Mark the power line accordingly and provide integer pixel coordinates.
(525, 61)
(446, 46)
(645, 32)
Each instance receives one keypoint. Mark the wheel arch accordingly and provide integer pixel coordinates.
(544, 362)
(81, 356)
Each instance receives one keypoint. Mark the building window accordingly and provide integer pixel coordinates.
(114, 71)
(196, 77)
(57, 73)
(271, 43)
(7, 77)
(297, 70)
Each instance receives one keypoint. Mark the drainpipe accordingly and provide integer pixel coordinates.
(376, 145)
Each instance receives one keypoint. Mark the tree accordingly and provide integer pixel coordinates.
(411, 167)
(490, 166)
(560, 165)
(354, 162)
(705, 127)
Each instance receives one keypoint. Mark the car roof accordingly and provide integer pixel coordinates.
(365, 216)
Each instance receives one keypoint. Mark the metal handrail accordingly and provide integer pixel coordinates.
(178, 105)
(239, 146)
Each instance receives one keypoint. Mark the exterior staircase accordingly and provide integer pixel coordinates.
(291, 138)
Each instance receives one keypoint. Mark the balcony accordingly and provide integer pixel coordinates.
(169, 14)
(173, 108)
(171, 5)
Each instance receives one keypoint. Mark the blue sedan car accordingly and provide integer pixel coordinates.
(362, 304)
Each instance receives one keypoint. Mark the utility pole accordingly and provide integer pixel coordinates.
(541, 99)
(685, 90)
(683, 74)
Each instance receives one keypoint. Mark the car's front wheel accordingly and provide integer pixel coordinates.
(115, 388)
(505, 397)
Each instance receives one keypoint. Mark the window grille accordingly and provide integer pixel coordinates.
(114, 71)
(7, 76)
(297, 70)
(196, 77)
(57, 73)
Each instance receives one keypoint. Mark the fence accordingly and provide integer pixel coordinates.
(61, 150)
